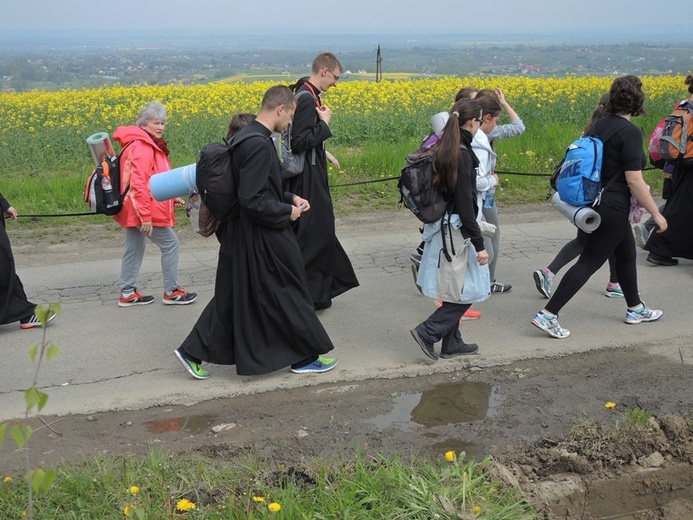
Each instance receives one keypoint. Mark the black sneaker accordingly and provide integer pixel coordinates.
(426, 346)
(500, 287)
(33, 321)
(656, 259)
(179, 297)
(462, 350)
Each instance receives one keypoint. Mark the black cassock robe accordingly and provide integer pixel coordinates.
(14, 305)
(261, 317)
(327, 265)
(677, 240)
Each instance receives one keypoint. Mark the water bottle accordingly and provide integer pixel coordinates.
(109, 196)
(490, 198)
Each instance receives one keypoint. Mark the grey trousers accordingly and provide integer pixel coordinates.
(135, 241)
(492, 245)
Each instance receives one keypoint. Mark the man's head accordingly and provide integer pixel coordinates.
(326, 71)
(278, 107)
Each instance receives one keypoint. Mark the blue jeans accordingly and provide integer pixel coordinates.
(135, 241)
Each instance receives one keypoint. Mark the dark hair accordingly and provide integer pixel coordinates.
(466, 93)
(299, 83)
(487, 93)
(626, 97)
(689, 82)
(489, 104)
(446, 153)
(276, 96)
(326, 59)
(598, 113)
(238, 121)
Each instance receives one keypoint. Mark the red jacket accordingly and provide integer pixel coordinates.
(138, 162)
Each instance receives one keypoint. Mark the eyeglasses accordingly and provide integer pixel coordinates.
(480, 118)
(336, 78)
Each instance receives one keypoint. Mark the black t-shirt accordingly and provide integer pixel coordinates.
(622, 152)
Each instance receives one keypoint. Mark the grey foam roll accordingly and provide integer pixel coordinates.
(584, 217)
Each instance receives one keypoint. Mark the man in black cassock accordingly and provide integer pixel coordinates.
(327, 265)
(261, 318)
(14, 305)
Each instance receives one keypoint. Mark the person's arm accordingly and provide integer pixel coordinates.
(140, 159)
(512, 129)
(638, 187)
(4, 205)
(465, 200)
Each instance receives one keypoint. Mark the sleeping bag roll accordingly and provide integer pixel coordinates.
(178, 182)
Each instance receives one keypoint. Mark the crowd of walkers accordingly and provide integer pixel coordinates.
(280, 261)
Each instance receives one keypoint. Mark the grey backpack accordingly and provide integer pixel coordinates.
(292, 162)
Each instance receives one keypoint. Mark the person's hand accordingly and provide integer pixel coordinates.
(295, 213)
(178, 202)
(301, 203)
(661, 222)
(482, 257)
(11, 213)
(501, 96)
(324, 113)
(331, 158)
(146, 228)
(495, 176)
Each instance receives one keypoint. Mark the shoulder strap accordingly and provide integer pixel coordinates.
(238, 139)
(604, 139)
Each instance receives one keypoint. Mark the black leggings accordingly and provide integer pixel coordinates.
(613, 236)
(572, 250)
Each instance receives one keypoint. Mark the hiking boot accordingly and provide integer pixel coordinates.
(179, 297)
(656, 259)
(550, 325)
(320, 365)
(470, 314)
(134, 299)
(613, 290)
(543, 282)
(464, 349)
(642, 313)
(641, 235)
(426, 346)
(33, 321)
(193, 368)
(500, 287)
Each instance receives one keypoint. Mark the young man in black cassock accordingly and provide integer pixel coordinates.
(261, 318)
(327, 265)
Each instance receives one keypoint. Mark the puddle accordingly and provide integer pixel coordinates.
(190, 424)
(451, 403)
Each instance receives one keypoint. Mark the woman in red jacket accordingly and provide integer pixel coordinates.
(145, 153)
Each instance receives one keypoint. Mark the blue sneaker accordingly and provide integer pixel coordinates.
(642, 313)
(320, 365)
(613, 290)
(543, 282)
(550, 325)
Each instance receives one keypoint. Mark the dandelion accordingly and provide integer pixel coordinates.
(450, 456)
(274, 507)
(8, 480)
(476, 510)
(185, 505)
(134, 490)
(610, 405)
(129, 510)
(258, 499)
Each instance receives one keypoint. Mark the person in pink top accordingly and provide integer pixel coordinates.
(145, 153)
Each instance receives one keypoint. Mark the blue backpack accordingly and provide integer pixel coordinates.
(578, 177)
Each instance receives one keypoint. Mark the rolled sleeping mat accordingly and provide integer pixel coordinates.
(100, 147)
(584, 217)
(178, 182)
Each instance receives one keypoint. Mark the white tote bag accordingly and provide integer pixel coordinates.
(452, 265)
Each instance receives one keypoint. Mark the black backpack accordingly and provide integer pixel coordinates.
(416, 187)
(214, 179)
(102, 190)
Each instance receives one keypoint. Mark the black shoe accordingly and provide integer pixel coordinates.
(656, 259)
(463, 350)
(321, 306)
(426, 346)
(500, 288)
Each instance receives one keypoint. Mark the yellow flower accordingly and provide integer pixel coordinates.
(274, 507)
(610, 405)
(450, 456)
(185, 505)
(134, 490)
(476, 510)
(129, 510)
(258, 499)
(8, 479)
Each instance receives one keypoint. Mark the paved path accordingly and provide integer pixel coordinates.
(113, 358)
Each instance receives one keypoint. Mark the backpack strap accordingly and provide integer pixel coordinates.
(604, 137)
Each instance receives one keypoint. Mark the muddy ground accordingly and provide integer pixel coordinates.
(521, 414)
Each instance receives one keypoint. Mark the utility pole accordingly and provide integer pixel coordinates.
(378, 66)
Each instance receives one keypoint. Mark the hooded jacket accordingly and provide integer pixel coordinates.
(138, 162)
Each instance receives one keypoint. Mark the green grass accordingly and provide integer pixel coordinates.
(364, 487)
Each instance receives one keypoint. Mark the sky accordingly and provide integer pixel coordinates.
(342, 16)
